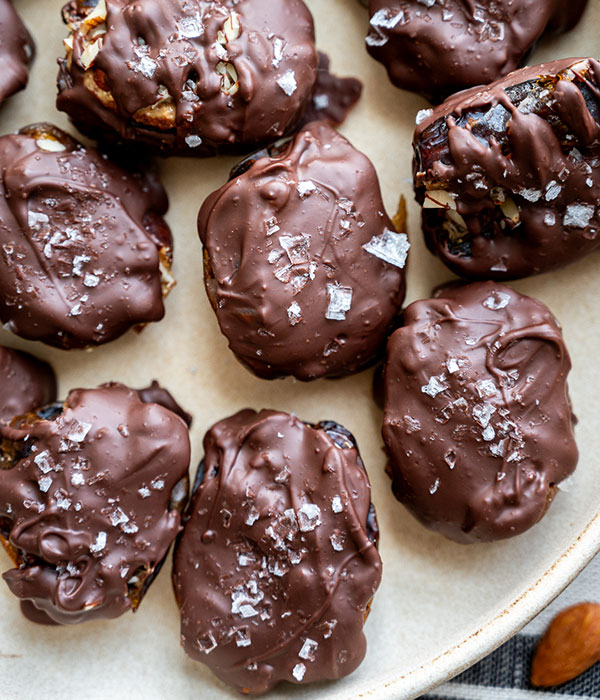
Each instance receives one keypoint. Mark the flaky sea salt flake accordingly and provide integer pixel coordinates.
(391, 247)
(308, 650)
(287, 82)
(309, 517)
(340, 302)
(298, 672)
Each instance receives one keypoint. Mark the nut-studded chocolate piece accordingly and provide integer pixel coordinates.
(188, 78)
(84, 251)
(26, 383)
(304, 269)
(478, 425)
(509, 175)
(437, 48)
(90, 499)
(16, 51)
(278, 563)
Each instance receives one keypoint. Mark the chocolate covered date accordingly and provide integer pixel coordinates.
(437, 47)
(508, 175)
(91, 493)
(85, 253)
(278, 562)
(188, 77)
(303, 268)
(478, 425)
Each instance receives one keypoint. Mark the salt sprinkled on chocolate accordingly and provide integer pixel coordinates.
(271, 618)
(69, 523)
(299, 228)
(501, 415)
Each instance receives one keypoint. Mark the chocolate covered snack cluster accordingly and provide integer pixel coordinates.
(508, 174)
(303, 268)
(437, 47)
(478, 425)
(188, 77)
(84, 251)
(92, 492)
(278, 563)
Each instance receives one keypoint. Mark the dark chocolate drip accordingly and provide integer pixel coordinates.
(333, 97)
(90, 502)
(478, 425)
(437, 48)
(275, 570)
(303, 267)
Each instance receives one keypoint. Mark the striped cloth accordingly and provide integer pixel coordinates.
(504, 674)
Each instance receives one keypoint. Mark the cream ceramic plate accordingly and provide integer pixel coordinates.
(441, 606)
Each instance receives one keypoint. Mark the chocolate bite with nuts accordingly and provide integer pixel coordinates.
(91, 493)
(478, 425)
(278, 562)
(304, 269)
(509, 175)
(437, 48)
(16, 51)
(188, 78)
(84, 251)
(26, 383)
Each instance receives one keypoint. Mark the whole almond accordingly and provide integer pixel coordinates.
(569, 647)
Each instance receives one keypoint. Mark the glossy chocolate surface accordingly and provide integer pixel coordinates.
(509, 174)
(84, 250)
(189, 77)
(26, 383)
(439, 47)
(303, 267)
(16, 51)
(90, 499)
(277, 565)
(478, 426)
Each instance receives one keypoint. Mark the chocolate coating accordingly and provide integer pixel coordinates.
(26, 383)
(16, 51)
(295, 259)
(478, 426)
(189, 78)
(333, 96)
(277, 565)
(509, 174)
(90, 501)
(83, 244)
(155, 393)
(437, 48)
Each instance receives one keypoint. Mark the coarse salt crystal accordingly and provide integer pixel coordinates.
(287, 82)
(391, 247)
(298, 672)
(340, 302)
